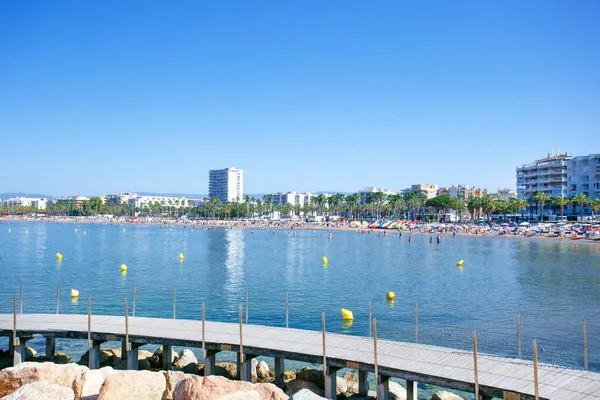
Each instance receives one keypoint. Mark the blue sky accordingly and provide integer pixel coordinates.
(112, 96)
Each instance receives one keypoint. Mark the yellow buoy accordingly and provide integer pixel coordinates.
(346, 314)
(84, 233)
(58, 257)
(123, 229)
(390, 295)
(123, 267)
(27, 232)
(325, 260)
(8, 230)
(74, 293)
(460, 263)
(181, 256)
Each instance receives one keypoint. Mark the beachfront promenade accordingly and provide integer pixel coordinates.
(448, 368)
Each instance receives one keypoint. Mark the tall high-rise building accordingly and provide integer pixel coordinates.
(583, 175)
(226, 184)
(546, 175)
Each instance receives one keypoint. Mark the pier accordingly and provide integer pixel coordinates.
(488, 375)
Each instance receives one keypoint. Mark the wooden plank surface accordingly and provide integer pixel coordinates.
(449, 368)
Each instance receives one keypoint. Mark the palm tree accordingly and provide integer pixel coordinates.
(474, 207)
(458, 204)
(396, 203)
(541, 198)
(487, 205)
(352, 201)
(560, 201)
(595, 206)
(519, 204)
(582, 200)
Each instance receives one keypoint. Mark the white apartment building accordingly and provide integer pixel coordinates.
(504, 194)
(37, 203)
(116, 199)
(546, 175)
(165, 201)
(293, 198)
(364, 193)
(462, 190)
(226, 184)
(429, 190)
(583, 176)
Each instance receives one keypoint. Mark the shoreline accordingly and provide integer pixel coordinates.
(461, 230)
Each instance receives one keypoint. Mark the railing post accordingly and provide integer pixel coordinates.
(475, 372)
(126, 343)
(89, 322)
(381, 382)
(585, 350)
(203, 331)
(535, 370)
(519, 335)
(324, 344)
(241, 341)
(416, 322)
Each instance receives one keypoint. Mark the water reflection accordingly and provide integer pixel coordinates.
(234, 260)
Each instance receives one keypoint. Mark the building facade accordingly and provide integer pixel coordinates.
(365, 192)
(462, 191)
(429, 190)
(583, 176)
(546, 175)
(293, 198)
(37, 203)
(226, 184)
(504, 194)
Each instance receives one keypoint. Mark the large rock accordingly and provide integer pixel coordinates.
(262, 371)
(305, 394)
(443, 395)
(157, 357)
(172, 378)
(226, 369)
(288, 375)
(253, 365)
(397, 391)
(186, 357)
(216, 387)
(42, 390)
(28, 372)
(311, 375)
(59, 358)
(293, 387)
(29, 353)
(341, 386)
(251, 395)
(88, 385)
(133, 385)
(351, 382)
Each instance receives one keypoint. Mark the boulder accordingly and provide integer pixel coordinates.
(397, 391)
(28, 372)
(172, 379)
(311, 375)
(133, 385)
(288, 375)
(262, 371)
(352, 382)
(443, 395)
(341, 386)
(29, 353)
(293, 387)
(157, 357)
(216, 387)
(88, 385)
(253, 365)
(226, 369)
(305, 394)
(186, 357)
(42, 390)
(251, 395)
(59, 358)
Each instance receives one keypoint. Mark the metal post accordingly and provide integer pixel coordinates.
(15, 342)
(174, 302)
(324, 346)
(375, 351)
(134, 298)
(246, 306)
(21, 297)
(126, 344)
(416, 322)
(585, 351)
(475, 365)
(519, 335)
(203, 331)
(57, 297)
(241, 343)
(287, 315)
(370, 317)
(89, 322)
(535, 371)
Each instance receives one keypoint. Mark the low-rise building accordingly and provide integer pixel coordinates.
(429, 190)
(504, 194)
(37, 203)
(462, 190)
(365, 192)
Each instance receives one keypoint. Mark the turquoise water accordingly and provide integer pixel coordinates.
(553, 284)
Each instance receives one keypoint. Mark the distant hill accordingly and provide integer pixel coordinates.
(4, 196)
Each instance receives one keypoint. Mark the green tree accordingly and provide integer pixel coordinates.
(458, 204)
(541, 198)
(560, 201)
(595, 206)
(582, 200)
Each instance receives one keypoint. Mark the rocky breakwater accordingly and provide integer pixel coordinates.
(33, 381)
